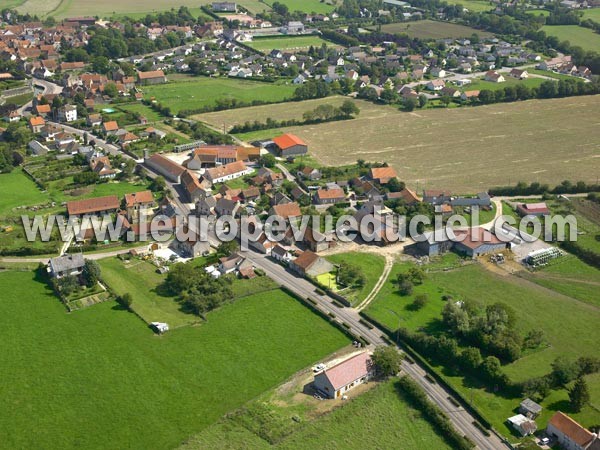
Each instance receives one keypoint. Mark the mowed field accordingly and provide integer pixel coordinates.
(289, 43)
(100, 378)
(279, 111)
(431, 29)
(197, 92)
(592, 13)
(473, 5)
(568, 324)
(468, 149)
(73, 8)
(308, 6)
(576, 35)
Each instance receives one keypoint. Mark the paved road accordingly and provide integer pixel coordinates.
(461, 419)
(49, 88)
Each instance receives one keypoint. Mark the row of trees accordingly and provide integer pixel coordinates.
(322, 113)
(535, 188)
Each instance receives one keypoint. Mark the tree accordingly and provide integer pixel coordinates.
(406, 287)
(111, 90)
(267, 160)
(471, 358)
(579, 395)
(101, 64)
(409, 103)
(158, 184)
(564, 371)
(422, 101)
(125, 300)
(227, 248)
(420, 301)
(349, 108)
(386, 360)
(350, 275)
(67, 285)
(91, 272)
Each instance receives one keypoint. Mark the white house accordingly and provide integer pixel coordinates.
(227, 172)
(341, 378)
(523, 425)
(67, 113)
(569, 434)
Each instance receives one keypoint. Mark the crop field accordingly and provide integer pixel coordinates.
(99, 378)
(576, 35)
(74, 8)
(467, 149)
(293, 43)
(430, 29)
(308, 6)
(380, 413)
(562, 318)
(192, 93)
(280, 111)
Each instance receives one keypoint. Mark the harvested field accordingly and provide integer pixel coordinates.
(472, 148)
(431, 29)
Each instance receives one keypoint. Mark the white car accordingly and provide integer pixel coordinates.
(319, 368)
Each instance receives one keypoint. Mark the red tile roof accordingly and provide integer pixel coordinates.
(150, 75)
(92, 205)
(572, 429)
(287, 210)
(329, 194)
(138, 197)
(288, 140)
(348, 371)
(382, 173)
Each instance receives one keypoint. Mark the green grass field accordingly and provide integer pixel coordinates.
(568, 324)
(481, 84)
(308, 6)
(19, 190)
(538, 12)
(73, 8)
(99, 378)
(576, 35)
(371, 266)
(592, 13)
(473, 5)
(194, 93)
(381, 414)
(141, 109)
(288, 43)
(430, 29)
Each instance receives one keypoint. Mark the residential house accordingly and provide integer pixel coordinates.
(530, 408)
(314, 240)
(436, 85)
(310, 264)
(436, 197)
(494, 77)
(193, 187)
(519, 74)
(523, 425)
(66, 265)
(336, 381)
(192, 246)
(227, 172)
(329, 196)
(139, 204)
(308, 173)
(110, 127)
(67, 113)
(226, 207)
(286, 210)
(280, 254)
(206, 206)
(382, 175)
(405, 195)
(94, 120)
(469, 95)
(36, 123)
(102, 166)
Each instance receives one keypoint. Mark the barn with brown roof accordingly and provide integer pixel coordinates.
(152, 77)
(98, 205)
(164, 166)
(382, 175)
(290, 145)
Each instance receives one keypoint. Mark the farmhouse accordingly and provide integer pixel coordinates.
(329, 196)
(570, 435)
(66, 265)
(227, 172)
(290, 145)
(36, 124)
(98, 205)
(341, 378)
(286, 210)
(310, 264)
(138, 203)
(533, 209)
(436, 197)
(406, 195)
(382, 175)
(192, 186)
(164, 166)
(153, 77)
